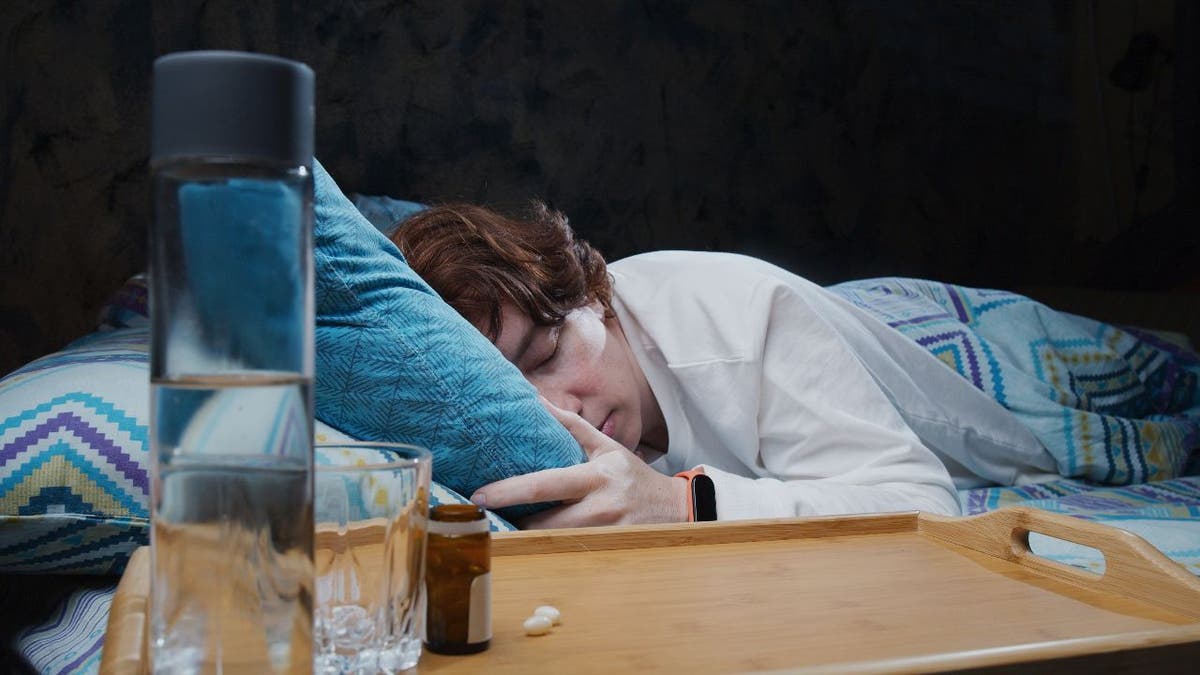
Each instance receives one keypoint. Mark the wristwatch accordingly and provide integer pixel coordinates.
(702, 495)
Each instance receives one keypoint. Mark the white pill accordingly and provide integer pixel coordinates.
(538, 625)
(549, 612)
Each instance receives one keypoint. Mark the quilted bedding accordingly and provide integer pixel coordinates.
(1117, 407)
(1119, 410)
(1112, 405)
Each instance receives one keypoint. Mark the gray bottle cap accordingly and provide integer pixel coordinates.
(232, 105)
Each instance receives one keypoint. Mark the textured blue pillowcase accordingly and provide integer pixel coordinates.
(384, 212)
(396, 363)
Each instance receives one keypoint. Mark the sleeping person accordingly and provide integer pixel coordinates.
(793, 399)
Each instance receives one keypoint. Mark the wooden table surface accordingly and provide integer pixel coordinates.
(881, 593)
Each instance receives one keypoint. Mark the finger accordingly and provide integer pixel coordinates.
(567, 515)
(592, 440)
(549, 485)
(575, 424)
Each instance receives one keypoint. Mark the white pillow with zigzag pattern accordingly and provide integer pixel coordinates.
(75, 458)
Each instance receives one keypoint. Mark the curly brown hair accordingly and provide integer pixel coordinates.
(476, 259)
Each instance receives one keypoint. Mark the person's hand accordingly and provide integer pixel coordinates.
(614, 487)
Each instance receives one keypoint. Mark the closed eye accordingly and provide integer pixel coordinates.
(551, 349)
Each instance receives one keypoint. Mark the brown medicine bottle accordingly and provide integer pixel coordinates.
(458, 580)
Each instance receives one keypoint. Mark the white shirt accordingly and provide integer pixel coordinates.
(772, 384)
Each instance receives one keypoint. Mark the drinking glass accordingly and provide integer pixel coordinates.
(370, 506)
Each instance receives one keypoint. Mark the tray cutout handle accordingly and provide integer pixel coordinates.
(1132, 567)
(1024, 550)
(125, 651)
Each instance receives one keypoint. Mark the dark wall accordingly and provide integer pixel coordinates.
(977, 142)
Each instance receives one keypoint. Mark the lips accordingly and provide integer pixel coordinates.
(608, 426)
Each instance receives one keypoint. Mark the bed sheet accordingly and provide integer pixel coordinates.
(1111, 404)
(54, 624)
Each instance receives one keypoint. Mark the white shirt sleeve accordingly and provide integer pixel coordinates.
(759, 384)
(830, 441)
(742, 498)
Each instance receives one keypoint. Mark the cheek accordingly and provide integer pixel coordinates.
(575, 372)
(588, 376)
(619, 381)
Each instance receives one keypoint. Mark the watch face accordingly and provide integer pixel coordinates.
(704, 498)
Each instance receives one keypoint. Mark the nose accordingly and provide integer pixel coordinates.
(560, 397)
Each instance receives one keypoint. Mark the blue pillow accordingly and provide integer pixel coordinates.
(384, 212)
(396, 363)
(75, 458)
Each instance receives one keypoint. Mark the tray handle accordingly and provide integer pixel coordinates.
(124, 650)
(1132, 567)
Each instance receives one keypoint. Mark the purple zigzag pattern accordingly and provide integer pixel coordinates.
(963, 315)
(1160, 495)
(966, 347)
(1090, 502)
(1037, 492)
(919, 319)
(87, 433)
(976, 503)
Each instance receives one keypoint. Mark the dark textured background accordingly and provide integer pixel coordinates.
(976, 142)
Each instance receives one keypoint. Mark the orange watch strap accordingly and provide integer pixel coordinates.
(689, 475)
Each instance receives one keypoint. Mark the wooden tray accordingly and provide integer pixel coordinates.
(879, 593)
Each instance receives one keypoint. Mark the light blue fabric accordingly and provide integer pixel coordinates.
(1111, 405)
(396, 363)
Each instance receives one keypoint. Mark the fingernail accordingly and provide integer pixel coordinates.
(479, 499)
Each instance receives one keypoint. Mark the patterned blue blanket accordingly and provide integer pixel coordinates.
(1112, 405)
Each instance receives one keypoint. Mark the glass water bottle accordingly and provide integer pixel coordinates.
(231, 365)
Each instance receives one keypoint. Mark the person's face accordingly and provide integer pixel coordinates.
(584, 366)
